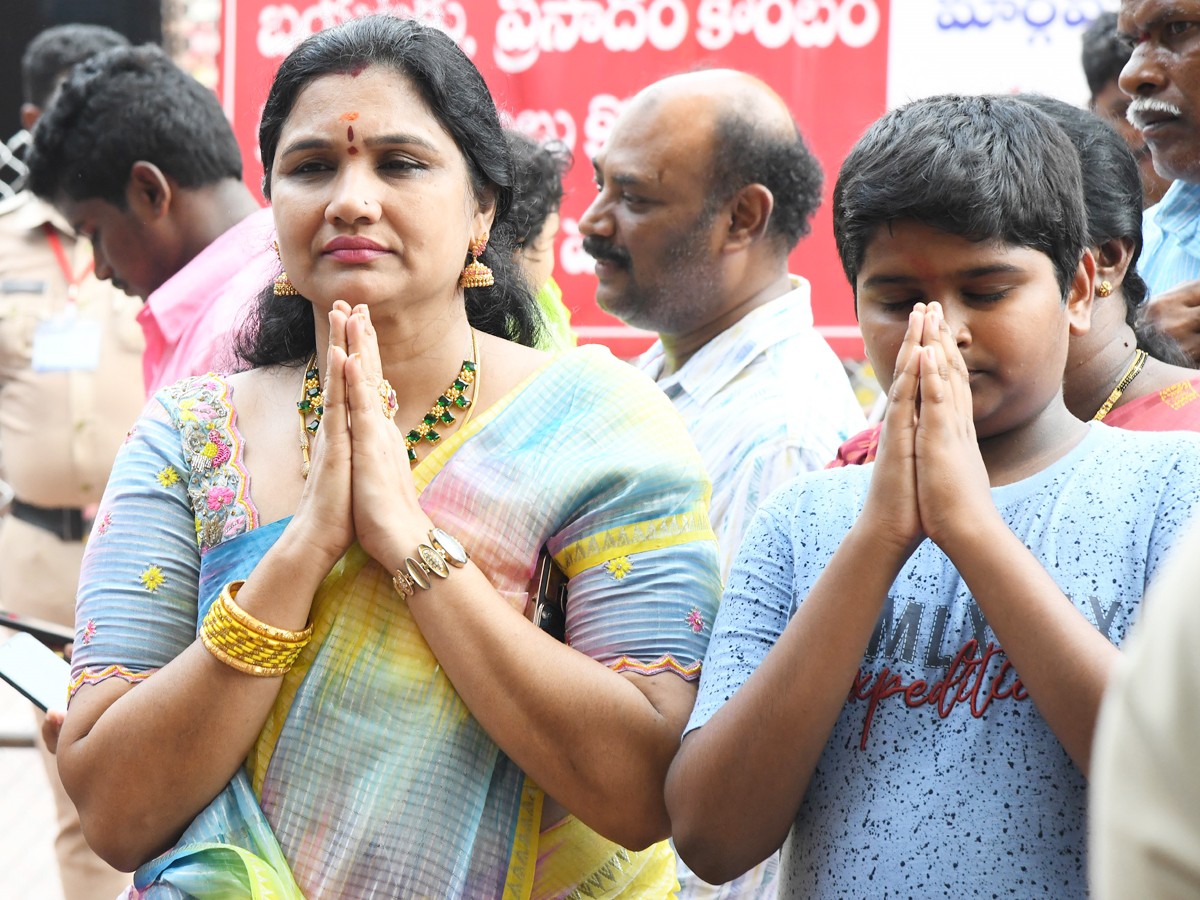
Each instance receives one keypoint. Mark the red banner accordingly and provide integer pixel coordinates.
(561, 69)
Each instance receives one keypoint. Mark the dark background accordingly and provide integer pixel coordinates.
(21, 20)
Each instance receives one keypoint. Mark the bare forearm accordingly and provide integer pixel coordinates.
(181, 734)
(737, 782)
(598, 742)
(1062, 660)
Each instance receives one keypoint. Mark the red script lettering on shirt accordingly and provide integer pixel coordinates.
(967, 680)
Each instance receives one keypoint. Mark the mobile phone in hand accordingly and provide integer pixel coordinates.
(52, 635)
(40, 674)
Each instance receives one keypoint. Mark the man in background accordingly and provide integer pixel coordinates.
(705, 187)
(1104, 56)
(1163, 78)
(70, 385)
(139, 156)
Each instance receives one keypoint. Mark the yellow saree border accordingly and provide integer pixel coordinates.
(522, 861)
(638, 537)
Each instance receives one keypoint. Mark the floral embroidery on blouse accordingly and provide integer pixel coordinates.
(696, 619)
(168, 476)
(89, 632)
(217, 482)
(152, 578)
(219, 496)
(620, 567)
(104, 523)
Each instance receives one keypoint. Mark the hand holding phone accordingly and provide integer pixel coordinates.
(42, 676)
(52, 635)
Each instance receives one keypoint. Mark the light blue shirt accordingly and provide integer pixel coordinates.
(1171, 239)
(940, 778)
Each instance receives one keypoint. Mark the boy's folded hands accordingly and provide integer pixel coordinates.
(930, 479)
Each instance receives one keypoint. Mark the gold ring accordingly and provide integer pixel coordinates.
(387, 398)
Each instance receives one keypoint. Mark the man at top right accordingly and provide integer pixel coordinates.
(1163, 78)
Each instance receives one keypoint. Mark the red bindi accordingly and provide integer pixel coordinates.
(349, 132)
(352, 150)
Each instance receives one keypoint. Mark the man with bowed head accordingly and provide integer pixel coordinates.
(705, 186)
(138, 156)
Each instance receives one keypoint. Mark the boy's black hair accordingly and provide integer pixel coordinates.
(1103, 56)
(983, 168)
(1113, 199)
(55, 51)
(283, 333)
(127, 105)
(537, 185)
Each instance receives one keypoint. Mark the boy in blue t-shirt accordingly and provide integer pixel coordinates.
(906, 668)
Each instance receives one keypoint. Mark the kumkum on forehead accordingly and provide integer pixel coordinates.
(349, 117)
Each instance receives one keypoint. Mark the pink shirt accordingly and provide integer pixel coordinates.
(191, 320)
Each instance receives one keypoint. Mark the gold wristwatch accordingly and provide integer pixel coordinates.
(433, 558)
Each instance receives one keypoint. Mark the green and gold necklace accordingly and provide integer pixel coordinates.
(311, 405)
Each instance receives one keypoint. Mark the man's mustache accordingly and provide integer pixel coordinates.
(602, 250)
(1141, 110)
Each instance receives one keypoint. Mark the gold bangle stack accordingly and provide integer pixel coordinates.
(244, 643)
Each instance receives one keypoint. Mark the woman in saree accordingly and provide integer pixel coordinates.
(303, 664)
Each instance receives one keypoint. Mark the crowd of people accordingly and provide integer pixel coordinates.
(392, 590)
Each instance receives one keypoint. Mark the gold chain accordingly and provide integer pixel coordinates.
(1135, 367)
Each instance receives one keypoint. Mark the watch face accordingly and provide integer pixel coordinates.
(456, 554)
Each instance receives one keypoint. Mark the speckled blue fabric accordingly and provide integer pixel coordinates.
(955, 787)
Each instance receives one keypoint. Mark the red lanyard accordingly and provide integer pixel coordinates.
(73, 279)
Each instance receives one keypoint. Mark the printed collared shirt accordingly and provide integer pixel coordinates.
(764, 401)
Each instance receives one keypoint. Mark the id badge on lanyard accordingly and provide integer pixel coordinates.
(66, 343)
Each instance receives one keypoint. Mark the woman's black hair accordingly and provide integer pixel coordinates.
(281, 331)
(1112, 196)
(538, 185)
